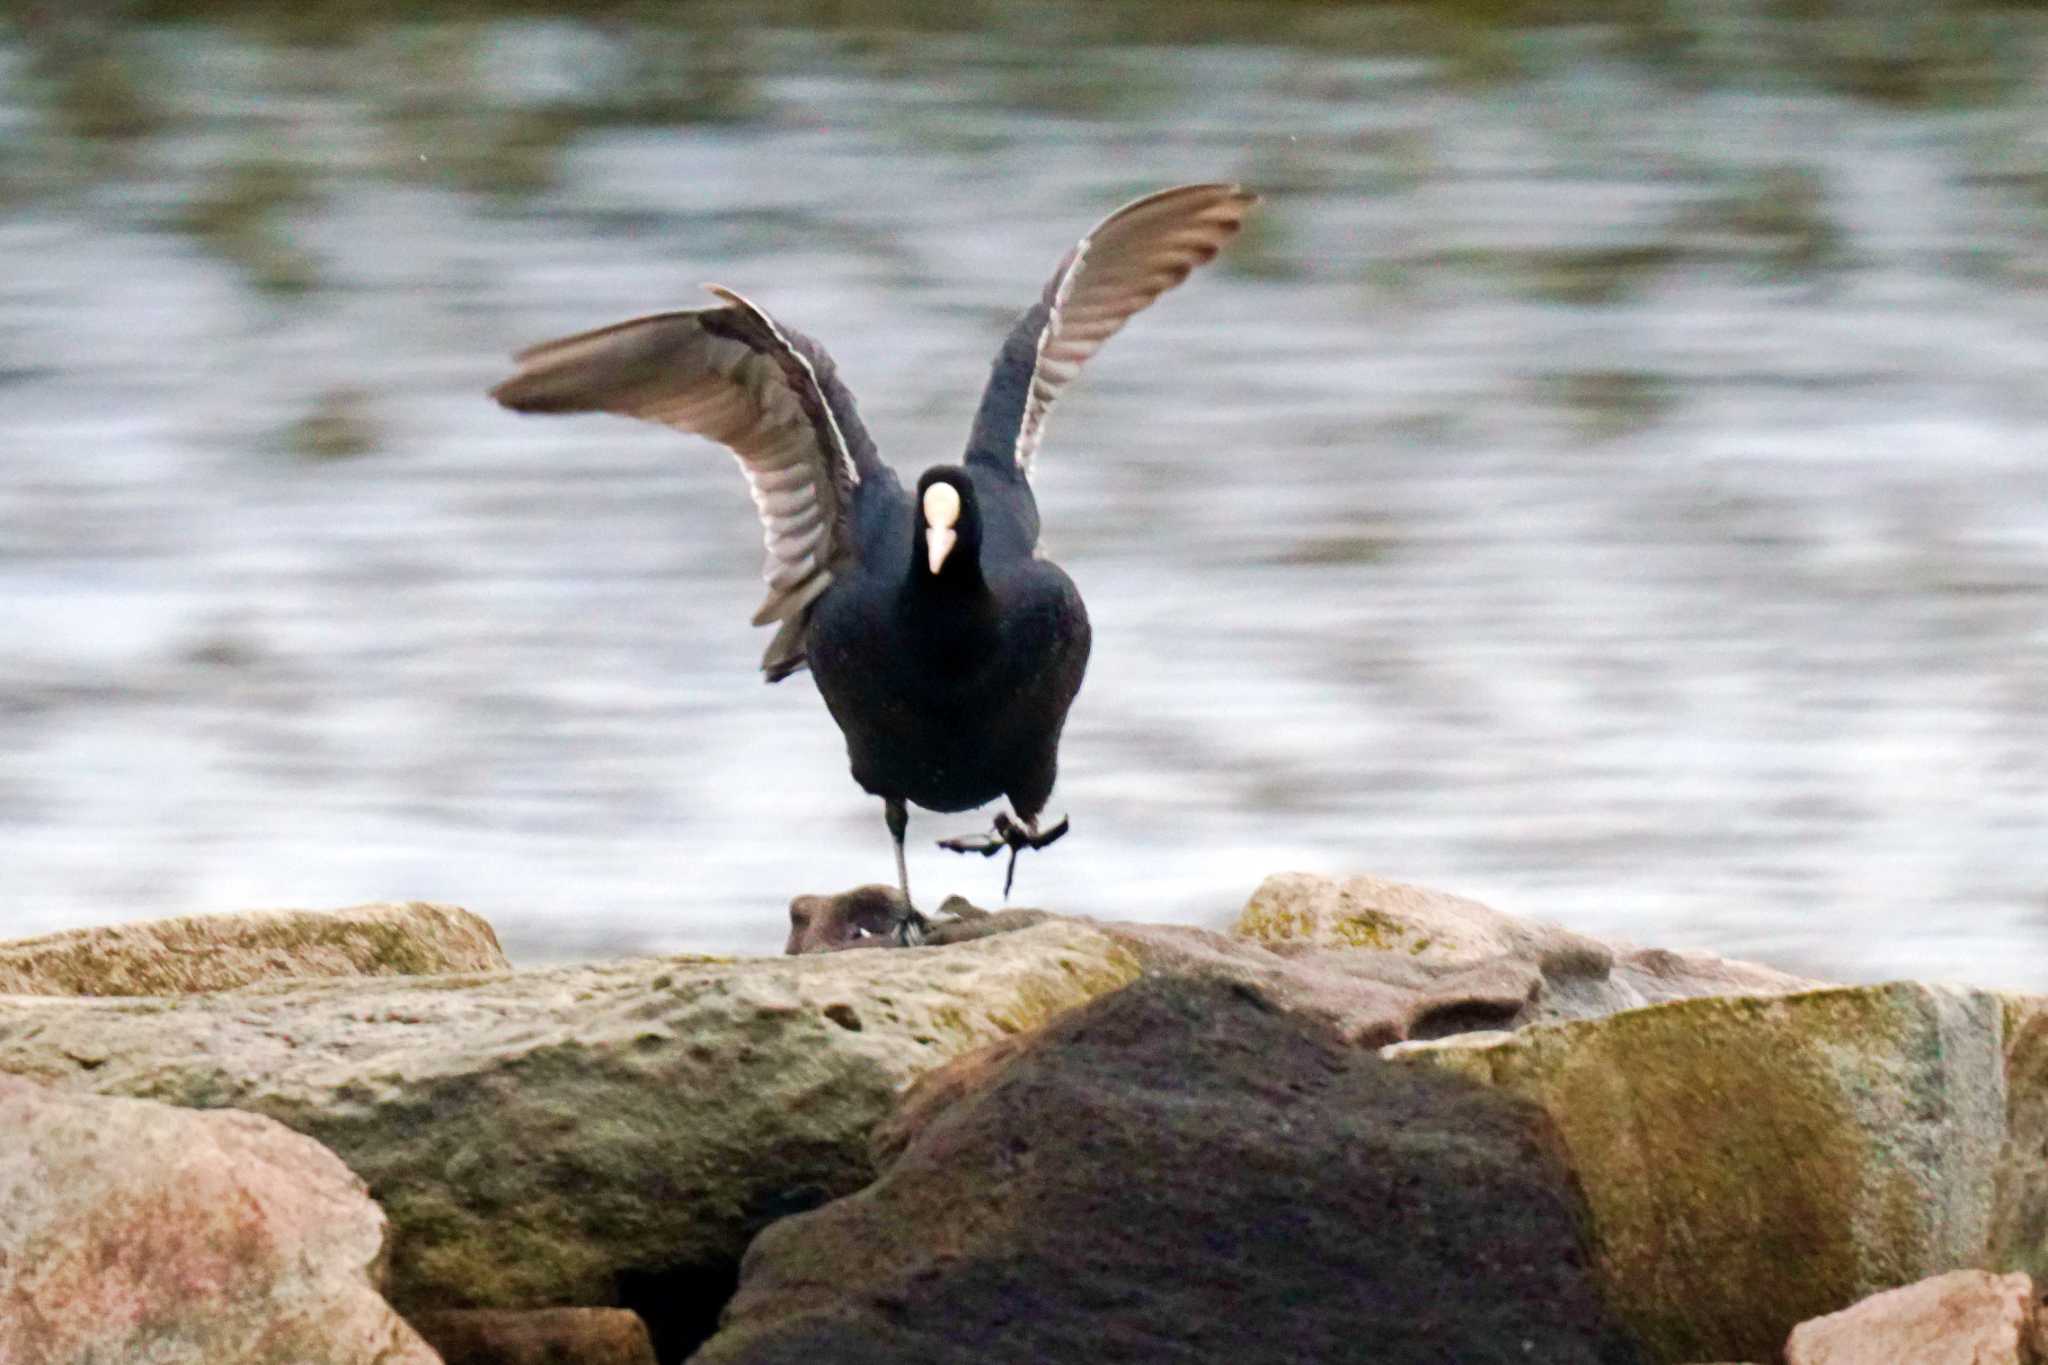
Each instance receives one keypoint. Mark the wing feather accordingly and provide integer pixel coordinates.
(732, 375)
(1125, 262)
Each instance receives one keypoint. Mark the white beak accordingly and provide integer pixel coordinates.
(938, 543)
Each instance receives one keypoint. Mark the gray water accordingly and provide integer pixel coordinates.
(1607, 482)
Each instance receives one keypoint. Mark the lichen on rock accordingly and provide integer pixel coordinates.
(1752, 1162)
(535, 1135)
(221, 952)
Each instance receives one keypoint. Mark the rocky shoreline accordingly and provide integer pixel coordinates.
(1370, 1122)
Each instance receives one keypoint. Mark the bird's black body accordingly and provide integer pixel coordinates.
(946, 648)
(952, 688)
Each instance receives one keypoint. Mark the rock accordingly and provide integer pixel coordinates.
(864, 918)
(1436, 935)
(544, 1336)
(1391, 917)
(539, 1137)
(1182, 1172)
(1653, 976)
(823, 924)
(221, 952)
(2019, 1232)
(1367, 997)
(1967, 1317)
(133, 1231)
(1754, 1162)
(1371, 996)
(1346, 992)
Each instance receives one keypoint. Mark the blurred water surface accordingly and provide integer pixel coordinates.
(1608, 482)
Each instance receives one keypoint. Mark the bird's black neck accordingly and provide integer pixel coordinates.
(951, 614)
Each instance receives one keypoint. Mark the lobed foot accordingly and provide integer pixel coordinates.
(987, 844)
(1007, 833)
(1031, 836)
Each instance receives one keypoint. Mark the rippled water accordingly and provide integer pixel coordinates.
(1609, 482)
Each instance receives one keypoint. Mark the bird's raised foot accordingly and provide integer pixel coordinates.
(987, 843)
(1008, 833)
(1032, 837)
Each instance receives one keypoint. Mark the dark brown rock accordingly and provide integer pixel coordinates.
(540, 1336)
(1183, 1172)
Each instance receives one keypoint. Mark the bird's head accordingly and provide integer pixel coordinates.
(949, 521)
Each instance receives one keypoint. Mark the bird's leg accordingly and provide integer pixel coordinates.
(910, 926)
(1008, 833)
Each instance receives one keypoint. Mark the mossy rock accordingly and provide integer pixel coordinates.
(1750, 1163)
(1305, 910)
(536, 1136)
(222, 952)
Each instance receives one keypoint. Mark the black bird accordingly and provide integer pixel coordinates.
(946, 649)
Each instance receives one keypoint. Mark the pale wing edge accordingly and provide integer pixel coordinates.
(734, 376)
(1119, 269)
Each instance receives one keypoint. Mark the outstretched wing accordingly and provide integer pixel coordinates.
(1127, 260)
(767, 394)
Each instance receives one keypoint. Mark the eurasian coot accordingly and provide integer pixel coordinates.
(946, 649)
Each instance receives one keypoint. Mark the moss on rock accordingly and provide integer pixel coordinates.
(1753, 1162)
(221, 952)
(535, 1135)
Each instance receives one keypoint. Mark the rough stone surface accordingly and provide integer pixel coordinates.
(857, 918)
(537, 1136)
(1754, 1162)
(1399, 978)
(221, 952)
(1391, 917)
(2019, 1235)
(1571, 976)
(1183, 1172)
(541, 1336)
(138, 1233)
(1967, 1317)
(1370, 998)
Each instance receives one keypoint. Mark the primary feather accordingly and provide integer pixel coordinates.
(766, 393)
(1115, 272)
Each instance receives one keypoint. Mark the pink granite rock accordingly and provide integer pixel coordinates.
(1966, 1317)
(134, 1231)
